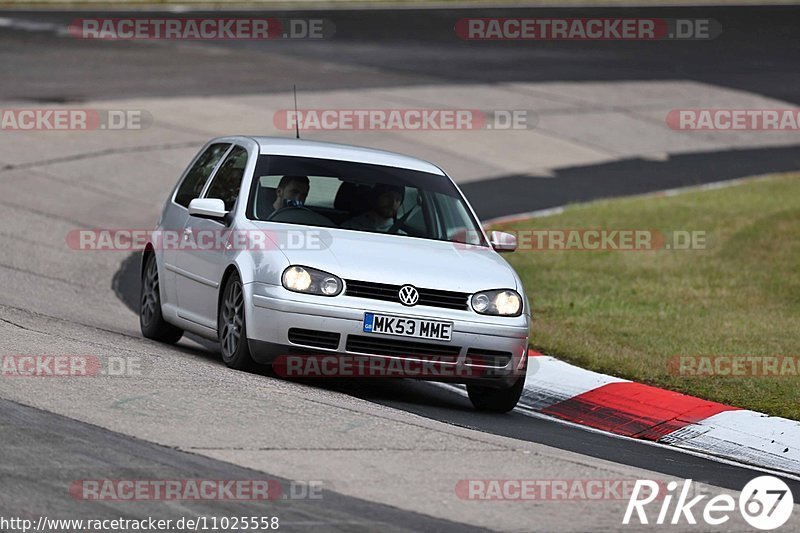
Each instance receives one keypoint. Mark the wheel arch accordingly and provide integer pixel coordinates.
(148, 249)
(229, 271)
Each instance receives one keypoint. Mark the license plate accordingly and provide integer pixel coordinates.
(408, 327)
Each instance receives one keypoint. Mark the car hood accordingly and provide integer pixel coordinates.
(400, 260)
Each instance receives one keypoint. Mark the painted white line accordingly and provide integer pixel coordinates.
(550, 381)
(696, 453)
(660, 445)
(756, 437)
(753, 437)
(522, 216)
(33, 26)
(741, 435)
(552, 211)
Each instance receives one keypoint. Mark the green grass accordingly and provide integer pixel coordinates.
(627, 313)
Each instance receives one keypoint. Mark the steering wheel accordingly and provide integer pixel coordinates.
(399, 225)
(285, 209)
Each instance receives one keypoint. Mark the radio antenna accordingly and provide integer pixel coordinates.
(296, 114)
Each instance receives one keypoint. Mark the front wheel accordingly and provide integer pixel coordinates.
(151, 321)
(231, 326)
(496, 400)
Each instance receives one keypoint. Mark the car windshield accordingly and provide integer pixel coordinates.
(360, 197)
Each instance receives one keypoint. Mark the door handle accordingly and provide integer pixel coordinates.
(187, 233)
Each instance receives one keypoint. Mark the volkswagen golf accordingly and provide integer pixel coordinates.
(282, 247)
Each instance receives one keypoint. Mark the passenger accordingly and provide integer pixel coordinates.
(386, 200)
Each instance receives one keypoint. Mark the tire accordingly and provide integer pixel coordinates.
(496, 400)
(151, 320)
(231, 328)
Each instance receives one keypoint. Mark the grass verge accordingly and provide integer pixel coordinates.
(632, 313)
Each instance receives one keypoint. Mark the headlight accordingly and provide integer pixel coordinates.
(311, 281)
(503, 302)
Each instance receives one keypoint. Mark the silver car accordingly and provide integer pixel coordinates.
(282, 248)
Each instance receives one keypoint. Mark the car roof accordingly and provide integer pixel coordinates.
(342, 152)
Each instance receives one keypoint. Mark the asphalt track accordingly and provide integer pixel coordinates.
(441, 404)
(28, 440)
(755, 53)
(393, 48)
(43, 451)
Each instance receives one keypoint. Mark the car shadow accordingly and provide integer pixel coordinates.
(126, 284)
(444, 404)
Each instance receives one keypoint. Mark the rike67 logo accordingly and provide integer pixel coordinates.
(765, 503)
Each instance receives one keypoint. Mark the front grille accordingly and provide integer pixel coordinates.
(388, 293)
(398, 348)
(317, 339)
(481, 357)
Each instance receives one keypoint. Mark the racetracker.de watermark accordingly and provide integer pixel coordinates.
(586, 29)
(731, 366)
(417, 119)
(51, 119)
(595, 240)
(355, 366)
(194, 489)
(226, 240)
(69, 366)
(545, 489)
(200, 29)
(734, 119)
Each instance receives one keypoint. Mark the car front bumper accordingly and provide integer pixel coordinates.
(272, 311)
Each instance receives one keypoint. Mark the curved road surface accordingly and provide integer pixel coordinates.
(387, 454)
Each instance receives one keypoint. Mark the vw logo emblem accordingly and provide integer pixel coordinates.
(408, 295)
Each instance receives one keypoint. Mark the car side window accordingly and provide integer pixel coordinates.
(417, 220)
(321, 193)
(228, 180)
(197, 176)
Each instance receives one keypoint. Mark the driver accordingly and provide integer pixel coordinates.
(291, 191)
(386, 200)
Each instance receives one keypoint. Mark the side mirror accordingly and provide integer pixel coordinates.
(502, 241)
(212, 208)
